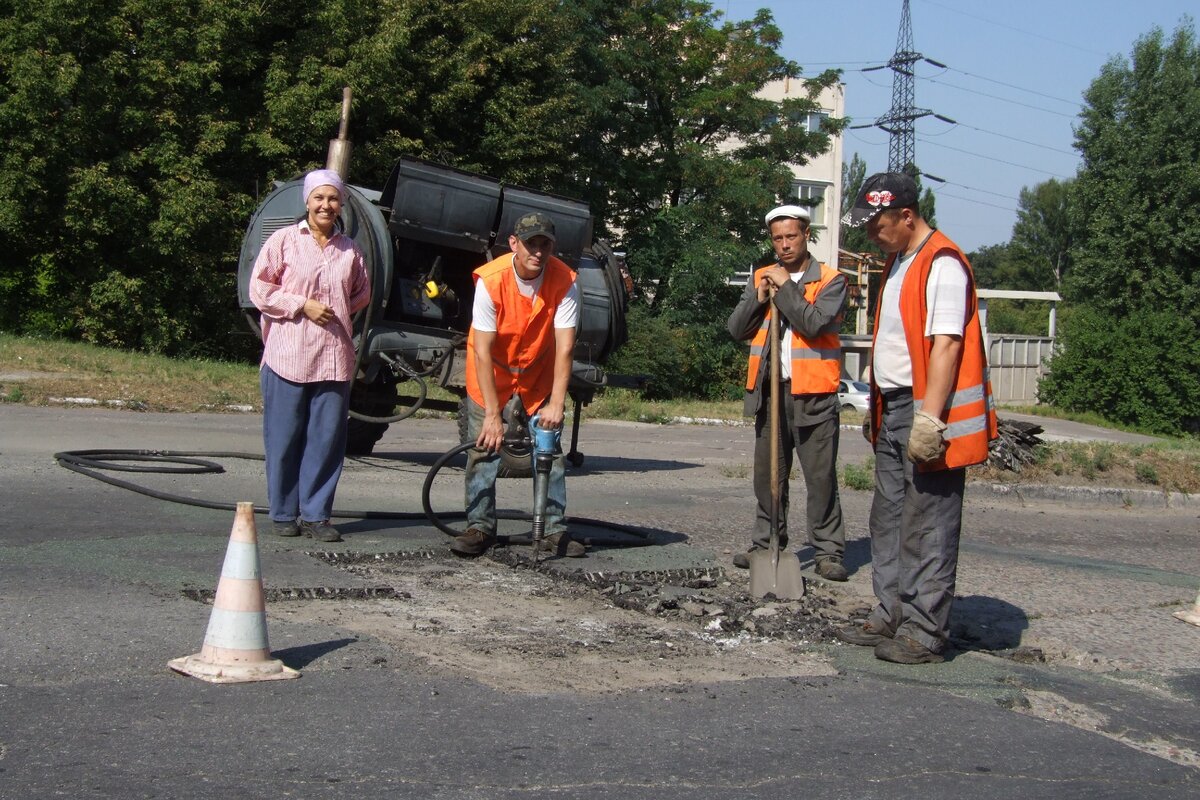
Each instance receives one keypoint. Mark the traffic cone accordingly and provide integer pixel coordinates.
(235, 647)
(1192, 615)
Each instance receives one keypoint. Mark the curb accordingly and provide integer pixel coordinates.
(1086, 495)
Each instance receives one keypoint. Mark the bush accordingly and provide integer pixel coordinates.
(1142, 369)
(696, 361)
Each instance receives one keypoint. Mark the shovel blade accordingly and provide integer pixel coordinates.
(777, 575)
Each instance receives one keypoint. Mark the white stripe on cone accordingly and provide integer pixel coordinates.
(235, 646)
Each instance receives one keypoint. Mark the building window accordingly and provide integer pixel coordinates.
(812, 121)
(811, 195)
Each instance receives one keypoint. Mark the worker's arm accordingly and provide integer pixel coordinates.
(943, 369)
(491, 434)
(822, 315)
(551, 413)
(748, 315)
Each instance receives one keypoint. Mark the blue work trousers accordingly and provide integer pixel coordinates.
(304, 438)
(482, 469)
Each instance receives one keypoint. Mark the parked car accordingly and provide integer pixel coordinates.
(854, 395)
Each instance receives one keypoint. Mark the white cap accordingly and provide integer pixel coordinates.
(788, 212)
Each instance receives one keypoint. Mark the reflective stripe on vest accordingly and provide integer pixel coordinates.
(816, 361)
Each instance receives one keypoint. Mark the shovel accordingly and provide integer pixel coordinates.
(769, 574)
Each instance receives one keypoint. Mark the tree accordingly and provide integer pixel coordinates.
(854, 239)
(1134, 210)
(1042, 236)
(685, 154)
(126, 129)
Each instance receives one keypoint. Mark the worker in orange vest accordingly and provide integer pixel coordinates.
(520, 344)
(932, 416)
(811, 298)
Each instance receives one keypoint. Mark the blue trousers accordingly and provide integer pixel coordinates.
(304, 438)
(482, 469)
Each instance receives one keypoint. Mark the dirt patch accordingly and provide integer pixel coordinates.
(519, 629)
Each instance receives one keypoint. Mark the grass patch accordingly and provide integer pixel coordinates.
(37, 370)
(860, 477)
(1172, 465)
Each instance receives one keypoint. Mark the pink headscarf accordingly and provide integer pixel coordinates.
(323, 177)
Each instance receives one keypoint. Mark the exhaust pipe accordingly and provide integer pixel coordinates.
(338, 158)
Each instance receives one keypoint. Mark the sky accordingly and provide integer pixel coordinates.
(1014, 86)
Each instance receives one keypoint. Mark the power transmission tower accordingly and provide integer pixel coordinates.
(900, 121)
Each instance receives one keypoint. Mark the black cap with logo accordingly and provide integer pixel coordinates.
(881, 192)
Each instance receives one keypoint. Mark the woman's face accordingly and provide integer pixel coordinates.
(324, 204)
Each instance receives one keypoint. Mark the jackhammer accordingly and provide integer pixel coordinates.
(547, 443)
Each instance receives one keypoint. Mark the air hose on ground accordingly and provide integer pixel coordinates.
(92, 463)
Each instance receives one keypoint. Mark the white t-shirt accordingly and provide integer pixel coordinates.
(946, 313)
(483, 313)
(785, 352)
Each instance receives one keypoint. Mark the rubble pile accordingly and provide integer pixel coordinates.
(1015, 446)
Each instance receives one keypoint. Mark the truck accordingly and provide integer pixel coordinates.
(422, 235)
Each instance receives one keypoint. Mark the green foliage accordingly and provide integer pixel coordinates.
(1135, 196)
(854, 239)
(1043, 236)
(860, 477)
(693, 361)
(1130, 353)
(1139, 369)
(1023, 317)
(141, 134)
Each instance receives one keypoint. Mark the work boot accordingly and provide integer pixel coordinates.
(862, 634)
(831, 569)
(287, 528)
(906, 650)
(321, 531)
(742, 560)
(563, 545)
(473, 542)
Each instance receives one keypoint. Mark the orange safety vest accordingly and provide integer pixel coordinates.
(523, 352)
(970, 411)
(816, 361)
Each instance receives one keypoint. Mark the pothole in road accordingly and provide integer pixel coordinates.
(524, 630)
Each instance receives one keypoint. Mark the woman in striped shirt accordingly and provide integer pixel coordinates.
(308, 282)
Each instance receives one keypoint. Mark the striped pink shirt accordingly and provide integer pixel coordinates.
(292, 268)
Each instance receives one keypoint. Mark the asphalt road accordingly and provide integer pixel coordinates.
(92, 607)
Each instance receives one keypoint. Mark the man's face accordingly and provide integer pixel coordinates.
(531, 255)
(789, 237)
(891, 230)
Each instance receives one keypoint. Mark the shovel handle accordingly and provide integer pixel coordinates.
(773, 425)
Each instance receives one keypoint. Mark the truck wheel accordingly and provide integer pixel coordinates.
(362, 436)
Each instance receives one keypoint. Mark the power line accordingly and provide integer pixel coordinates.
(1014, 86)
(998, 97)
(1018, 30)
(1000, 160)
(942, 193)
(1015, 139)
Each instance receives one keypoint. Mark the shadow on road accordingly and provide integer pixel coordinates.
(979, 622)
(300, 657)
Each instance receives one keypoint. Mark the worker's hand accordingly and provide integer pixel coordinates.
(491, 435)
(778, 276)
(550, 416)
(925, 442)
(317, 311)
(866, 428)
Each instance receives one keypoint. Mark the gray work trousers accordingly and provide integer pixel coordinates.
(916, 518)
(817, 447)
